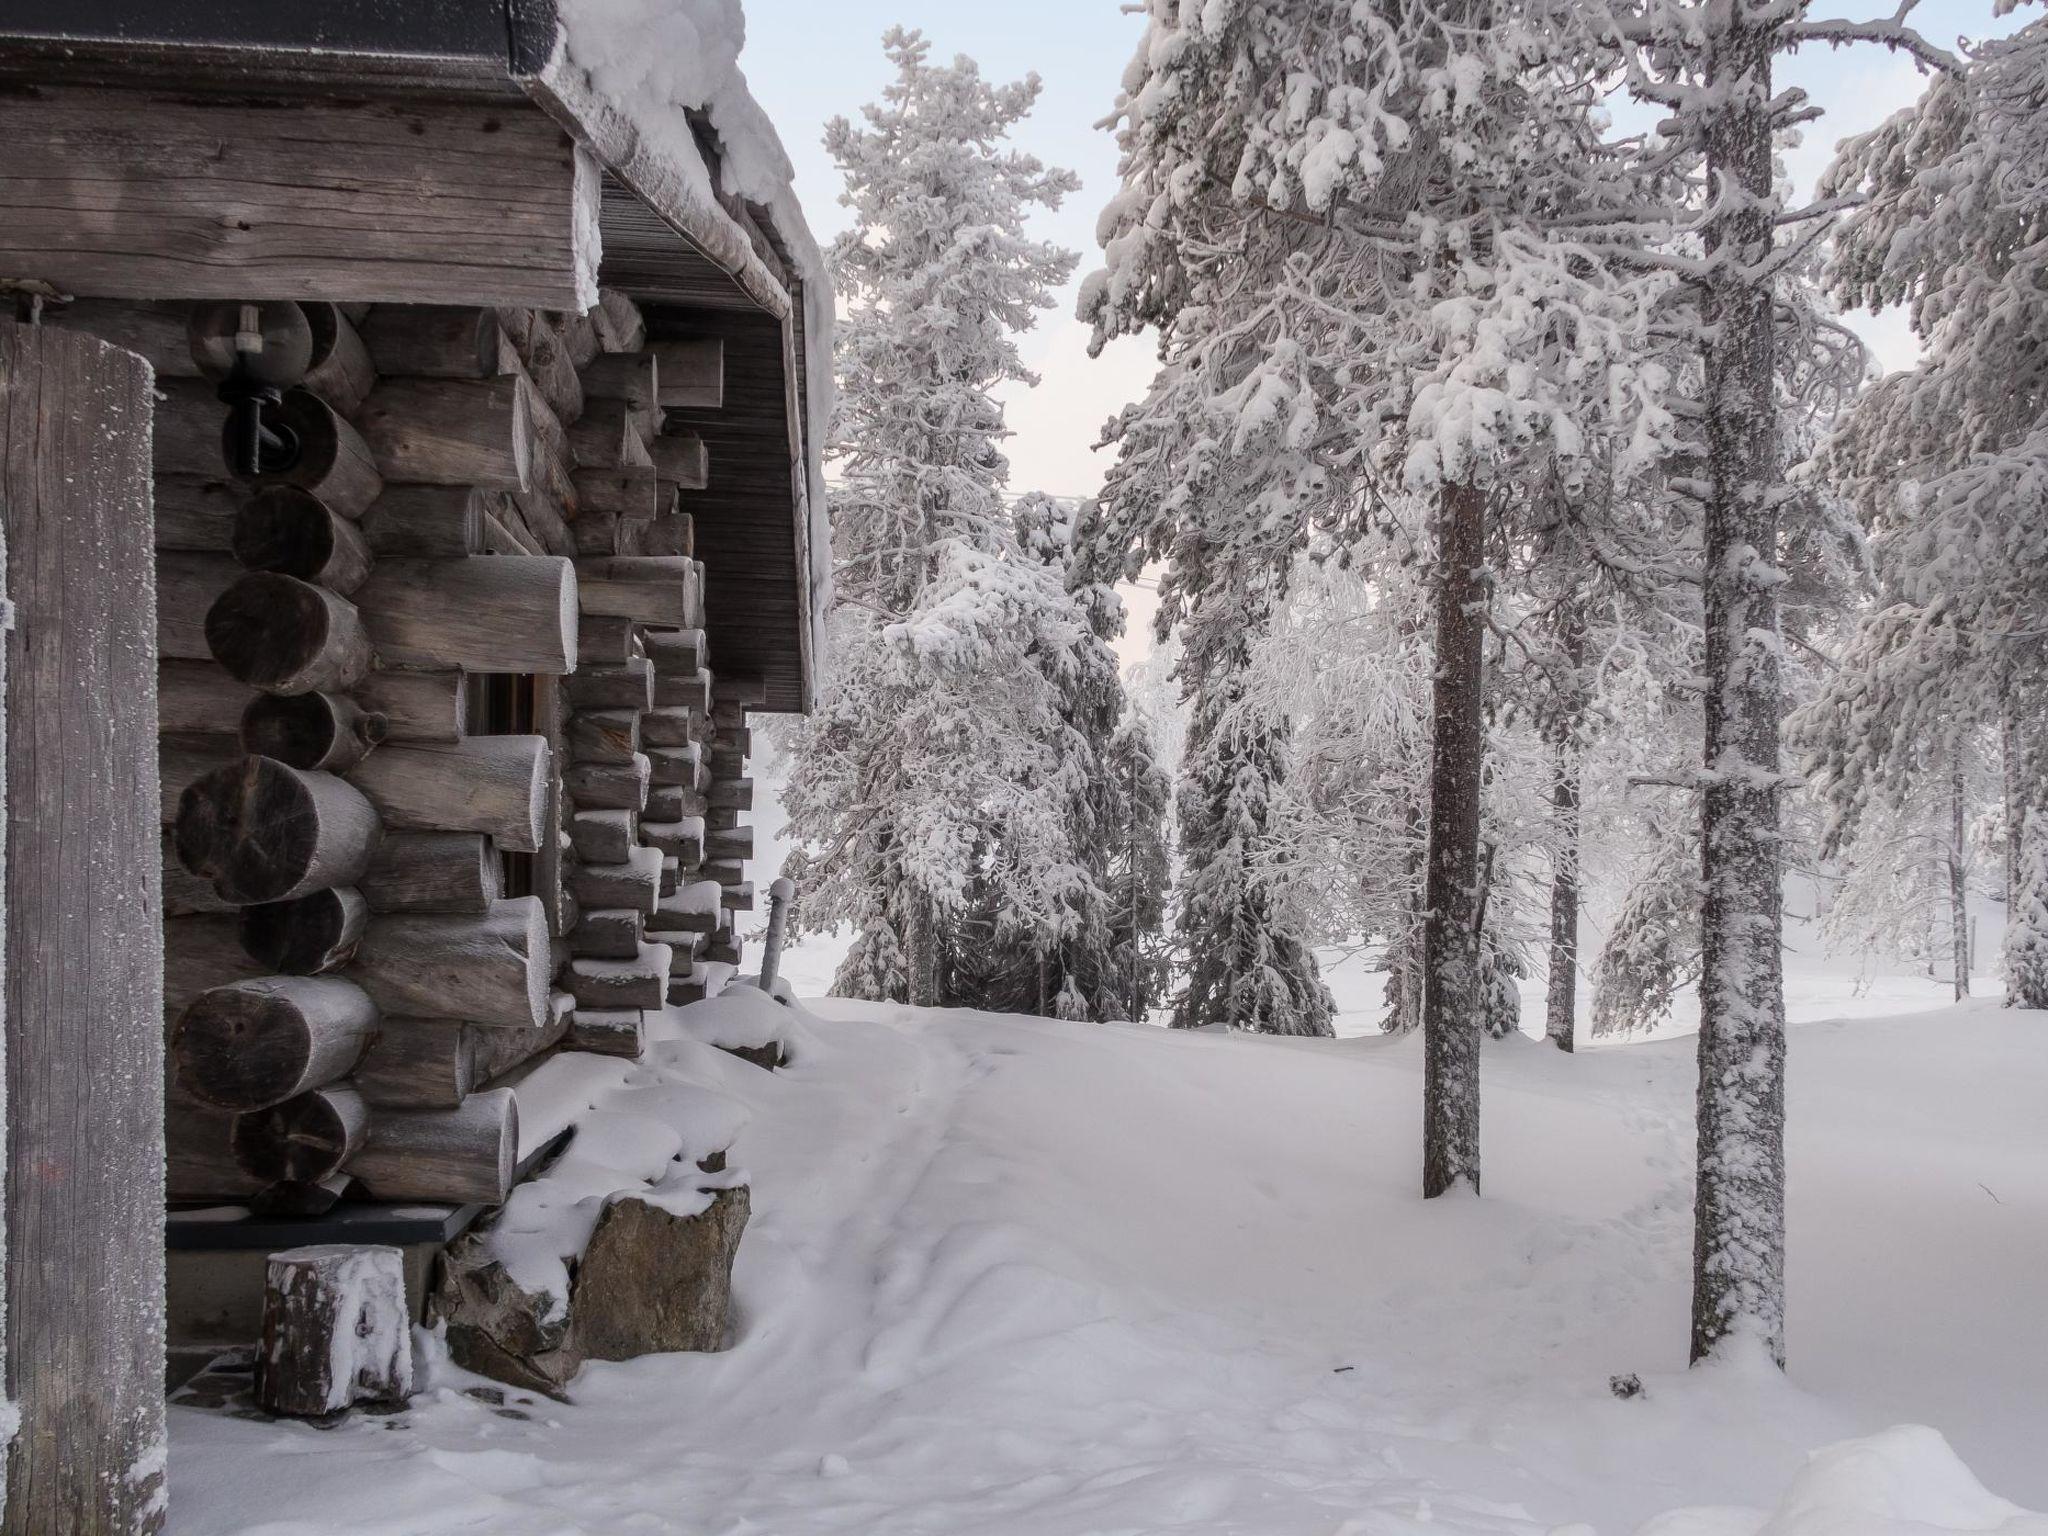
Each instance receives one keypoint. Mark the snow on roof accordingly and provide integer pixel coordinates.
(655, 62)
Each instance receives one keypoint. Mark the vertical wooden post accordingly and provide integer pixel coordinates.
(84, 933)
(780, 894)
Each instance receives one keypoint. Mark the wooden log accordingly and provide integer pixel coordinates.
(635, 883)
(723, 948)
(623, 378)
(336, 1330)
(680, 651)
(736, 738)
(199, 1159)
(341, 371)
(738, 693)
(721, 818)
(455, 1155)
(545, 353)
(304, 1139)
(631, 491)
(724, 871)
(603, 837)
(332, 461)
(610, 933)
(692, 373)
(671, 533)
(654, 589)
(290, 1197)
(182, 761)
(308, 936)
(433, 872)
(611, 434)
(199, 698)
(196, 514)
(608, 1032)
(627, 687)
(491, 968)
(187, 586)
(498, 1051)
(579, 337)
(604, 735)
(725, 762)
(679, 765)
(544, 515)
(683, 690)
(680, 840)
(284, 635)
(732, 843)
(153, 328)
(681, 458)
(413, 522)
(674, 802)
(620, 325)
(733, 794)
(202, 952)
(482, 613)
(417, 706)
(251, 1044)
(285, 529)
(492, 784)
(272, 340)
(683, 913)
(183, 891)
(311, 730)
(605, 640)
(671, 727)
(607, 786)
(671, 875)
(262, 831)
(737, 898)
(419, 1064)
(470, 432)
(641, 982)
(436, 341)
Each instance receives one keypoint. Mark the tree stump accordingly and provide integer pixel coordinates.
(336, 1331)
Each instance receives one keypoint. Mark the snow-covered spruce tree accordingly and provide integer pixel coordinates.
(2026, 952)
(939, 756)
(1947, 463)
(1709, 70)
(1335, 213)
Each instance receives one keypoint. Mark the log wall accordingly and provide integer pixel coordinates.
(347, 953)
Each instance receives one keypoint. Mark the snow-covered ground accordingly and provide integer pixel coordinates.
(1023, 1276)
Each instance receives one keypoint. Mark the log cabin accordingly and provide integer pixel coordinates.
(460, 406)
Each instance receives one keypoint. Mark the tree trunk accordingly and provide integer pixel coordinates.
(1739, 1212)
(1958, 894)
(1452, 1002)
(81, 927)
(1561, 1002)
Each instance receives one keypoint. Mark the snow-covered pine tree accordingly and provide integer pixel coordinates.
(1708, 70)
(1947, 462)
(936, 758)
(2026, 951)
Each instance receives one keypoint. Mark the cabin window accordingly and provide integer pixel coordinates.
(508, 704)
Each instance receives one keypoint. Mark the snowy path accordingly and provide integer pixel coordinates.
(1019, 1276)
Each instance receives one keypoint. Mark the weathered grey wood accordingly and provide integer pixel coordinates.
(611, 434)
(419, 1064)
(417, 706)
(733, 843)
(682, 458)
(674, 802)
(545, 353)
(311, 730)
(261, 831)
(410, 522)
(632, 491)
(737, 898)
(607, 786)
(336, 1330)
(491, 968)
(498, 1051)
(671, 727)
(341, 372)
(641, 982)
(723, 948)
(333, 462)
(608, 1032)
(250, 1044)
(720, 818)
(679, 765)
(681, 913)
(456, 1155)
(725, 872)
(492, 784)
(432, 872)
(453, 200)
(654, 589)
(482, 613)
(199, 698)
(545, 515)
(680, 840)
(634, 883)
(733, 794)
(605, 640)
(187, 586)
(683, 690)
(604, 735)
(620, 325)
(194, 513)
(153, 328)
(293, 1197)
(603, 837)
(284, 635)
(470, 432)
(183, 760)
(611, 933)
(677, 650)
(308, 936)
(198, 1152)
(627, 687)
(692, 373)
(285, 529)
(201, 952)
(435, 341)
(304, 1139)
(627, 378)
(671, 533)
(183, 891)
(215, 339)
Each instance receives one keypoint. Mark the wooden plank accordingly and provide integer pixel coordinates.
(83, 935)
(148, 193)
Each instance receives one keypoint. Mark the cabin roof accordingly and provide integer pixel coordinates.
(697, 248)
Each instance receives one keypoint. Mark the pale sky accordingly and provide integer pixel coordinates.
(809, 60)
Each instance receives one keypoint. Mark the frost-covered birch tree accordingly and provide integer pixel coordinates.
(942, 760)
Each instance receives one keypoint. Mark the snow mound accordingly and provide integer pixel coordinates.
(743, 1018)
(1903, 1482)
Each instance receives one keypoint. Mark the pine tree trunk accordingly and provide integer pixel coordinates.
(921, 953)
(1452, 1003)
(2009, 773)
(1958, 915)
(1561, 1002)
(1739, 1212)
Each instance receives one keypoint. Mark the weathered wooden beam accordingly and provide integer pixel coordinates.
(251, 1044)
(417, 706)
(139, 193)
(410, 522)
(304, 1139)
(455, 1155)
(604, 735)
(307, 936)
(187, 586)
(336, 1328)
(196, 513)
(290, 531)
(436, 341)
(310, 730)
(261, 831)
(432, 872)
(681, 457)
(627, 687)
(481, 613)
(497, 785)
(199, 698)
(467, 432)
(603, 836)
(692, 373)
(283, 635)
(662, 590)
